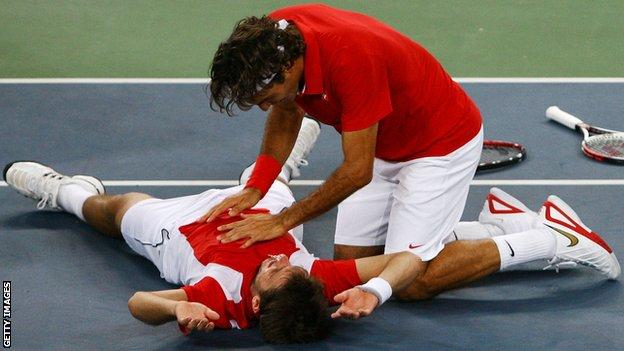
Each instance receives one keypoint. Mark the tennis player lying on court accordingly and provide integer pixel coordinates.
(279, 283)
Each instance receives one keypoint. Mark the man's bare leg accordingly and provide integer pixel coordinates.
(81, 195)
(458, 264)
(510, 235)
(104, 212)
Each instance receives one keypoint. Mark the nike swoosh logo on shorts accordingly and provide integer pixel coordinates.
(413, 246)
(573, 239)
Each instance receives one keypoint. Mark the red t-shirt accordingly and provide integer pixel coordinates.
(359, 71)
(227, 287)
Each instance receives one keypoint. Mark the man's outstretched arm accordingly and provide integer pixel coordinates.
(384, 275)
(158, 307)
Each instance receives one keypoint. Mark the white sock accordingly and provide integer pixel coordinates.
(474, 231)
(527, 246)
(71, 197)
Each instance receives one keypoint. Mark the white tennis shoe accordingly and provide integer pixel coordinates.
(42, 183)
(507, 213)
(308, 133)
(575, 241)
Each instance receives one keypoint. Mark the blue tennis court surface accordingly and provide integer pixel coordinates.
(70, 285)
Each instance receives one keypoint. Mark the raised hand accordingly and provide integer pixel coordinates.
(195, 316)
(355, 303)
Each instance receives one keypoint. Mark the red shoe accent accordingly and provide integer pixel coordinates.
(510, 209)
(573, 225)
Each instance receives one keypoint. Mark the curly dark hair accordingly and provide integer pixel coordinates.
(248, 57)
(296, 312)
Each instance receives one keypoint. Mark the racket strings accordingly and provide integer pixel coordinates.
(496, 154)
(500, 153)
(610, 145)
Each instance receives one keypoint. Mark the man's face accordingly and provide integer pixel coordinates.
(275, 271)
(275, 94)
(281, 93)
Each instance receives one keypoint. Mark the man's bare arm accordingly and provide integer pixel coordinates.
(158, 307)
(355, 172)
(155, 307)
(281, 130)
(397, 270)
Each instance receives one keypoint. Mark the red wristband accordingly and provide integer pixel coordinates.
(265, 171)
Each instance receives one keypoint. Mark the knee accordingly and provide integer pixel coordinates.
(420, 289)
(127, 200)
(111, 203)
(121, 203)
(132, 195)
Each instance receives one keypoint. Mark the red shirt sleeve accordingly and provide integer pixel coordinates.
(208, 292)
(360, 82)
(336, 276)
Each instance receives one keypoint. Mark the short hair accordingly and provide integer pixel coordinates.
(296, 312)
(255, 51)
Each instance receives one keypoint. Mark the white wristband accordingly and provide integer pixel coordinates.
(378, 287)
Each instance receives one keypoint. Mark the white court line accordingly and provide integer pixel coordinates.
(488, 182)
(519, 182)
(538, 80)
(515, 80)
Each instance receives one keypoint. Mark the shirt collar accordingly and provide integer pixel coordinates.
(312, 65)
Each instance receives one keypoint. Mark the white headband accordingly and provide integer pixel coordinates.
(281, 24)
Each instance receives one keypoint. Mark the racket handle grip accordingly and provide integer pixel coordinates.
(556, 114)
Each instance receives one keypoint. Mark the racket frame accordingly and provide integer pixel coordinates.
(598, 156)
(588, 132)
(519, 157)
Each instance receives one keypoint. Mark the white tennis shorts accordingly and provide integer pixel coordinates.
(410, 206)
(150, 228)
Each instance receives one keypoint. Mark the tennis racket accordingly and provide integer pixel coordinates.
(498, 154)
(601, 144)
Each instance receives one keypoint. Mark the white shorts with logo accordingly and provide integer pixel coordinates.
(410, 206)
(150, 228)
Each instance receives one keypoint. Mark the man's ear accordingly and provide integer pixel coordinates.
(255, 304)
(289, 69)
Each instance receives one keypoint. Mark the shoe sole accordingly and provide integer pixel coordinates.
(6, 168)
(83, 177)
(616, 263)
